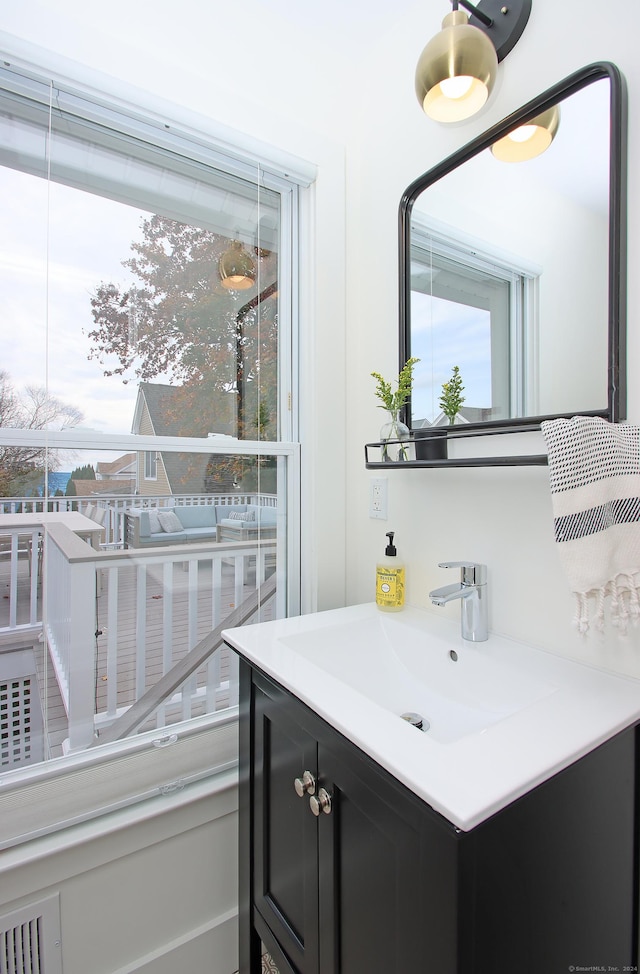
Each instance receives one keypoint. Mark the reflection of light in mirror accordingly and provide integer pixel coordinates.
(530, 140)
(523, 134)
(439, 347)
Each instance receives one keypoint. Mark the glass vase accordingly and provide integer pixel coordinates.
(394, 438)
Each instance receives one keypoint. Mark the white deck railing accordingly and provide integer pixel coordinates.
(17, 544)
(152, 608)
(16, 552)
(115, 621)
(116, 506)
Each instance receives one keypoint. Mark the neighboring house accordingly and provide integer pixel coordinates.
(160, 411)
(124, 468)
(93, 488)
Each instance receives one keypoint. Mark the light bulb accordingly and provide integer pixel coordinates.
(456, 87)
(523, 133)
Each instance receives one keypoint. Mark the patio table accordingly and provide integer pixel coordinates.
(83, 526)
(86, 528)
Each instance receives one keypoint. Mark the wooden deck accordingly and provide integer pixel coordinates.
(52, 704)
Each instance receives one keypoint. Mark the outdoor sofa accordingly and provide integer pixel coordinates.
(153, 527)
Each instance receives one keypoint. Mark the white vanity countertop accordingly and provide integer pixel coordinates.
(471, 778)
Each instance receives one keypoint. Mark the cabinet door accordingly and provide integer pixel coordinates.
(387, 870)
(285, 873)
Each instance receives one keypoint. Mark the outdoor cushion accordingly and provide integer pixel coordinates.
(267, 516)
(170, 522)
(198, 516)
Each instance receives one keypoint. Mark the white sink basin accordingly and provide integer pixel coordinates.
(503, 718)
(389, 659)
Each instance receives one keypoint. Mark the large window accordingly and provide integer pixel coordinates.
(146, 387)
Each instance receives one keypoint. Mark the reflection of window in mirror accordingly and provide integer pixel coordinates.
(474, 308)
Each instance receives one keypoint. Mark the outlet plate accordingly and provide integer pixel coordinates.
(378, 498)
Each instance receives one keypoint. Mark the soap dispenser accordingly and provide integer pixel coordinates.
(390, 579)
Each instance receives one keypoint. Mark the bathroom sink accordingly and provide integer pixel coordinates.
(499, 717)
(390, 660)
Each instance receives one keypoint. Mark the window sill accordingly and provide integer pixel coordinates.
(72, 798)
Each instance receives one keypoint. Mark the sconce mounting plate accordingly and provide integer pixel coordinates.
(509, 21)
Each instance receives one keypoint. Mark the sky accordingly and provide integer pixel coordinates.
(45, 304)
(440, 346)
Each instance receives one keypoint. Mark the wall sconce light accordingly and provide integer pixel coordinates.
(457, 69)
(530, 139)
(237, 269)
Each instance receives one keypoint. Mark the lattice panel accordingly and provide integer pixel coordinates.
(18, 698)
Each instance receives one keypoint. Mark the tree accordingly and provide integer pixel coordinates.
(452, 398)
(22, 468)
(85, 472)
(178, 323)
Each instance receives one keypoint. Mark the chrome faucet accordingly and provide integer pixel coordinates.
(472, 591)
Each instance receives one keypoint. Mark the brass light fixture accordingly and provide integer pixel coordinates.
(530, 139)
(237, 269)
(457, 69)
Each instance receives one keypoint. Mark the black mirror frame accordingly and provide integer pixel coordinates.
(617, 290)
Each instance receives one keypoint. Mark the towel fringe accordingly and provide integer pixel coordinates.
(624, 592)
(581, 616)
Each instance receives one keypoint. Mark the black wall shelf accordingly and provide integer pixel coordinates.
(431, 451)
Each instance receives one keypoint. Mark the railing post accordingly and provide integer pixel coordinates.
(81, 673)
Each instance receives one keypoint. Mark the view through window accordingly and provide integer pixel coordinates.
(144, 305)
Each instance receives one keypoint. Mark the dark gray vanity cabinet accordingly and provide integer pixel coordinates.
(384, 883)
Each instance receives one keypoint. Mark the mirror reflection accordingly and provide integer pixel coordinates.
(509, 275)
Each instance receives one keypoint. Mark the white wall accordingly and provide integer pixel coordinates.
(498, 516)
(149, 890)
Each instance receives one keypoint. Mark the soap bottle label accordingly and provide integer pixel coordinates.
(390, 587)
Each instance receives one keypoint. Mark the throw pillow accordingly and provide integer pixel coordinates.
(154, 522)
(170, 521)
(238, 516)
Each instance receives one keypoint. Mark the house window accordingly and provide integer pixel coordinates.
(150, 466)
(150, 278)
(490, 302)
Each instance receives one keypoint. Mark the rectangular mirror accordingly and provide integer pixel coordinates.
(514, 271)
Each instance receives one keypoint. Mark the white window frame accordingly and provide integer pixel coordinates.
(46, 789)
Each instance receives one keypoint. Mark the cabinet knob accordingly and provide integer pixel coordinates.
(322, 803)
(306, 785)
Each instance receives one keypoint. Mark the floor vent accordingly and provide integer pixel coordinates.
(30, 939)
(21, 722)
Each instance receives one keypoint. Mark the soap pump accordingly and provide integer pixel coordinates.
(390, 579)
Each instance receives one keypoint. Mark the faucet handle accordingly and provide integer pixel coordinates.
(471, 572)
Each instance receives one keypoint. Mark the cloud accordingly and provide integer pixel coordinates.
(56, 248)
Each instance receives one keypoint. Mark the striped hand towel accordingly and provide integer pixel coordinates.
(594, 471)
